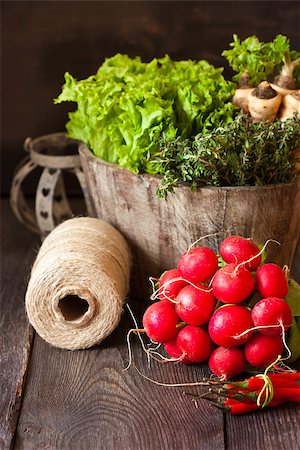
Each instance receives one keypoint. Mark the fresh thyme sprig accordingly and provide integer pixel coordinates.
(240, 153)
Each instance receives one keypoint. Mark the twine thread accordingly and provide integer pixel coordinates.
(78, 283)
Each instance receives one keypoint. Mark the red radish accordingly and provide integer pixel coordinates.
(272, 311)
(271, 281)
(195, 305)
(230, 321)
(262, 350)
(195, 343)
(168, 288)
(198, 264)
(227, 362)
(172, 349)
(232, 284)
(237, 249)
(160, 322)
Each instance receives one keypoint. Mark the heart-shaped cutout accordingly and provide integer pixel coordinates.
(45, 192)
(44, 214)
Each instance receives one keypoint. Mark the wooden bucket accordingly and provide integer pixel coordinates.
(158, 230)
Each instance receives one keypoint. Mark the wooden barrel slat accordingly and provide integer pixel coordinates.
(158, 231)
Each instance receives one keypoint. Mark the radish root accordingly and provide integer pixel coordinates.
(237, 336)
(286, 271)
(159, 383)
(162, 289)
(138, 331)
(200, 239)
(151, 352)
(255, 256)
(283, 335)
(164, 359)
(279, 359)
(134, 330)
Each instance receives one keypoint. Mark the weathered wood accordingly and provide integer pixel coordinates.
(84, 400)
(17, 252)
(274, 428)
(159, 230)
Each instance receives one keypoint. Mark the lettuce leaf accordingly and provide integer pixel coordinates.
(125, 108)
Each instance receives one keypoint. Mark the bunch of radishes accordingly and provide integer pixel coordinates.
(203, 311)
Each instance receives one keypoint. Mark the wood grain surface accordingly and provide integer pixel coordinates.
(159, 230)
(275, 428)
(86, 400)
(81, 400)
(17, 252)
(54, 399)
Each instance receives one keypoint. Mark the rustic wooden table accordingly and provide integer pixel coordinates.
(58, 399)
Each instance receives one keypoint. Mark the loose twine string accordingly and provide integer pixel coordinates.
(83, 258)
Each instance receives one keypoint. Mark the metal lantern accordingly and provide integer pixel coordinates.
(55, 154)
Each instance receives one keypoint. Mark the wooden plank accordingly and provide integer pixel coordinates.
(17, 252)
(274, 428)
(84, 399)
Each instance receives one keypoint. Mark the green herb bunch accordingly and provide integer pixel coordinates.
(254, 60)
(240, 153)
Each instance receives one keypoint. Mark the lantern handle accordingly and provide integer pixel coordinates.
(26, 144)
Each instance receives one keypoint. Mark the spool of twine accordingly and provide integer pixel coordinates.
(78, 283)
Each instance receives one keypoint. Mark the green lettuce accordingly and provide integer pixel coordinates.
(128, 105)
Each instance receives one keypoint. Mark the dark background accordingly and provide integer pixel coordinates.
(43, 39)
